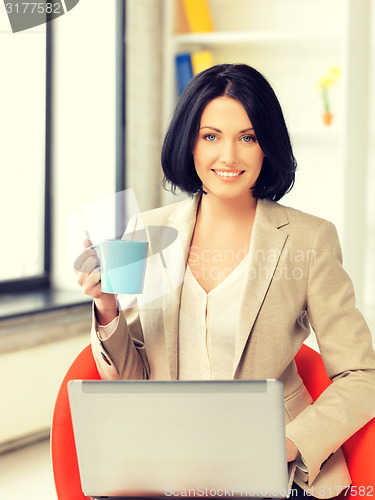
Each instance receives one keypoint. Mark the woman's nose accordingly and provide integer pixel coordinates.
(228, 154)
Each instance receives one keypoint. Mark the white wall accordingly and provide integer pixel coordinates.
(144, 52)
(30, 395)
(369, 294)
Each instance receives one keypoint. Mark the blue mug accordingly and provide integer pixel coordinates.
(123, 265)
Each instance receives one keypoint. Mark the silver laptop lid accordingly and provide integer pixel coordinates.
(167, 439)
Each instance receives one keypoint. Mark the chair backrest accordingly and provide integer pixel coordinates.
(359, 450)
(63, 450)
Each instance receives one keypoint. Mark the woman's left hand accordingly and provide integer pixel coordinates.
(291, 450)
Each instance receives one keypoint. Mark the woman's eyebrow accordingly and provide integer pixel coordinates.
(211, 128)
(218, 130)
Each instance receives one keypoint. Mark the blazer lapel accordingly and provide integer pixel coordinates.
(267, 243)
(183, 219)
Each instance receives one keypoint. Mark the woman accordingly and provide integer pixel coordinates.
(256, 275)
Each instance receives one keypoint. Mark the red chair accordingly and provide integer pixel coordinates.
(359, 450)
(63, 449)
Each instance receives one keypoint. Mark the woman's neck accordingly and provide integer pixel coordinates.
(226, 210)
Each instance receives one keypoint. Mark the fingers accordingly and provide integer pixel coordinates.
(90, 284)
(87, 243)
(87, 261)
(87, 269)
(91, 264)
(291, 450)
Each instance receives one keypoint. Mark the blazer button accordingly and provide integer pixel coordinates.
(105, 358)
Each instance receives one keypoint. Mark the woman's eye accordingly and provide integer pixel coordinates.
(210, 137)
(249, 138)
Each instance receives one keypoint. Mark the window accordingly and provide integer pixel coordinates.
(25, 158)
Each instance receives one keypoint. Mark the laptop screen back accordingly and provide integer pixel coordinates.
(166, 439)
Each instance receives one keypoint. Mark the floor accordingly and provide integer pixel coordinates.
(27, 474)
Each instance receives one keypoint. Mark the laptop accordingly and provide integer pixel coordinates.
(162, 439)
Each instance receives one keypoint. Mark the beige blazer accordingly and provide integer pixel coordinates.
(295, 279)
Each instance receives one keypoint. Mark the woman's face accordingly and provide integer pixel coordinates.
(227, 156)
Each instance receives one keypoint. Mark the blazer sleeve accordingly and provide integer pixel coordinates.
(122, 355)
(345, 344)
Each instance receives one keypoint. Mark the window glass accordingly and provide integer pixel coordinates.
(22, 152)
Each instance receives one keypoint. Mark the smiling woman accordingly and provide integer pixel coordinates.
(247, 316)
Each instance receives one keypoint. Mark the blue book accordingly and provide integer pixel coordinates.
(184, 71)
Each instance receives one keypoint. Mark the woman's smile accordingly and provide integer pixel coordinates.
(228, 175)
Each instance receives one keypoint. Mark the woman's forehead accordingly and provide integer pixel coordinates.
(224, 112)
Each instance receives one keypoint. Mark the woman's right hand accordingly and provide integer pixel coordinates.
(87, 269)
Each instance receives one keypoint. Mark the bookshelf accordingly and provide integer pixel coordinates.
(292, 43)
(260, 33)
(257, 37)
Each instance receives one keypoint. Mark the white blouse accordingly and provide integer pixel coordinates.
(208, 325)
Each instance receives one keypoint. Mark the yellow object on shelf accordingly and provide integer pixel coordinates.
(198, 15)
(323, 84)
(201, 60)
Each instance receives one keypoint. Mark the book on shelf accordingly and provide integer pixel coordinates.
(201, 60)
(184, 70)
(190, 64)
(198, 15)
